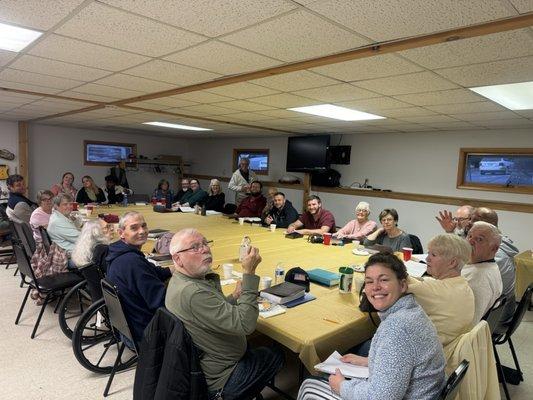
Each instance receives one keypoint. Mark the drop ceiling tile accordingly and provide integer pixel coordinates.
(374, 105)
(493, 73)
(368, 68)
(482, 106)
(36, 14)
(103, 90)
(284, 100)
(292, 81)
(278, 113)
(406, 112)
(244, 117)
(296, 36)
(414, 128)
(477, 117)
(208, 109)
(163, 103)
(336, 93)
(242, 90)
(50, 108)
(222, 58)
(57, 68)
(427, 120)
(89, 96)
(503, 45)
(91, 55)
(440, 97)
(241, 105)
(31, 78)
(525, 113)
(508, 123)
(134, 83)
(30, 88)
(405, 84)
(6, 56)
(165, 71)
(209, 17)
(523, 6)
(403, 18)
(181, 112)
(101, 24)
(451, 125)
(311, 119)
(202, 97)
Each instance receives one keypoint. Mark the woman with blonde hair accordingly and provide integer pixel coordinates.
(216, 199)
(360, 227)
(93, 244)
(90, 192)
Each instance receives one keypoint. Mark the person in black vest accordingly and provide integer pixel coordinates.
(19, 207)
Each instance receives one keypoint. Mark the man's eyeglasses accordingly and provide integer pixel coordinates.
(460, 219)
(197, 247)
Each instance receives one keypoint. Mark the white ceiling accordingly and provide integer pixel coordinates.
(109, 50)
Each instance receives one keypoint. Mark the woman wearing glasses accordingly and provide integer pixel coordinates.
(41, 215)
(360, 227)
(389, 234)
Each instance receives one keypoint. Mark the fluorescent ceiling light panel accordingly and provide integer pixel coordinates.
(514, 96)
(336, 112)
(176, 126)
(13, 38)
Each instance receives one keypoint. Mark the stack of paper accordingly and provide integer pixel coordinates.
(186, 209)
(334, 361)
(273, 311)
(415, 269)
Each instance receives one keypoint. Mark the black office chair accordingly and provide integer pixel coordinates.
(229, 208)
(120, 327)
(454, 381)
(51, 287)
(500, 338)
(416, 244)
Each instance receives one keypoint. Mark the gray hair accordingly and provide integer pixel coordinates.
(494, 233)
(90, 236)
(62, 196)
(363, 205)
(214, 182)
(124, 218)
(42, 193)
(451, 246)
(176, 244)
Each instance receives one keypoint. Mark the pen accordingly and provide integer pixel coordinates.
(331, 320)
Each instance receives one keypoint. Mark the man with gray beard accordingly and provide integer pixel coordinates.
(458, 223)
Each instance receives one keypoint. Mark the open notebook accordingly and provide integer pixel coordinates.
(334, 361)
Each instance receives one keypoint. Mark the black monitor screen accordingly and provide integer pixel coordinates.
(307, 153)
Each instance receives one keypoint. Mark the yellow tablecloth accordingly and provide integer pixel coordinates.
(302, 329)
(524, 272)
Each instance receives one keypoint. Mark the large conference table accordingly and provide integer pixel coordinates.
(307, 329)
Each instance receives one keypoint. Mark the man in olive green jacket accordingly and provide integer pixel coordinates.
(218, 325)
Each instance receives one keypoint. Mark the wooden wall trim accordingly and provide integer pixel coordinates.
(23, 151)
(423, 198)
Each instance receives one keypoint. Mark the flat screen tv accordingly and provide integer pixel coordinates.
(307, 153)
(107, 153)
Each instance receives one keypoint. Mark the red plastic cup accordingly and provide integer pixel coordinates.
(74, 206)
(407, 253)
(89, 207)
(327, 238)
(154, 201)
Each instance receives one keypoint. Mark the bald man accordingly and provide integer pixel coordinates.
(457, 223)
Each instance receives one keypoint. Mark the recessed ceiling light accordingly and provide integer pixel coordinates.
(336, 112)
(176, 126)
(514, 96)
(13, 38)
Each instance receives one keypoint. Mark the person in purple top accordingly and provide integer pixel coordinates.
(314, 220)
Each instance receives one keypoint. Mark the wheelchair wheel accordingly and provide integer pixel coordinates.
(94, 344)
(72, 307)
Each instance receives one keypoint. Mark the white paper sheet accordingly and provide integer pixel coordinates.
(415, 269)
(333, 362)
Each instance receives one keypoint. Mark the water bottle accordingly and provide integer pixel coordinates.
(279, 274)
(243, 249)
(125, 200)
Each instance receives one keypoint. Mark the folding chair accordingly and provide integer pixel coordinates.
(499, 338)
(121, 329)
(452, 384)
(51, 287)
(47, 242)
(416, 244)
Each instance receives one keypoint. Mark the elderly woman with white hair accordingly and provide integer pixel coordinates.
(216, 199)
(63, 226)
(93, 244)
(360, 227)
(446, 296)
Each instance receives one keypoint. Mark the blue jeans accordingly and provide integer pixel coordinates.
(253, 372)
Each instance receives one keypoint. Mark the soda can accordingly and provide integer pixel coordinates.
(346, 280)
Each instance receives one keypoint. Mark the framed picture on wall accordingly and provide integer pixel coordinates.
(107, 153)
(502, 170)
(259, 159)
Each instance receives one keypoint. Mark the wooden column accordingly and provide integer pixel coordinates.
(23, 151)
(307, 190)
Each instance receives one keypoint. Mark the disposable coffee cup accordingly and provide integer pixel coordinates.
(272, 227)
(227, 270)
(407, 253)
(266, 282)
(241, 221)
(327, 238)
(356, 244)
(346, 280)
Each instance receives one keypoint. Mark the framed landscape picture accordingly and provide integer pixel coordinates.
(259, 159)
(107, 153)
(500, 169)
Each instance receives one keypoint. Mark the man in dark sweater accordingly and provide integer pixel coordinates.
(283, 213)
(19, 207)
(140, 283)
(253, 205)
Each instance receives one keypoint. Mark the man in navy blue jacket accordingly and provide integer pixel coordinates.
(140, 283)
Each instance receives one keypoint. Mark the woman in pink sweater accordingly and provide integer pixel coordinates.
(359, 227)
